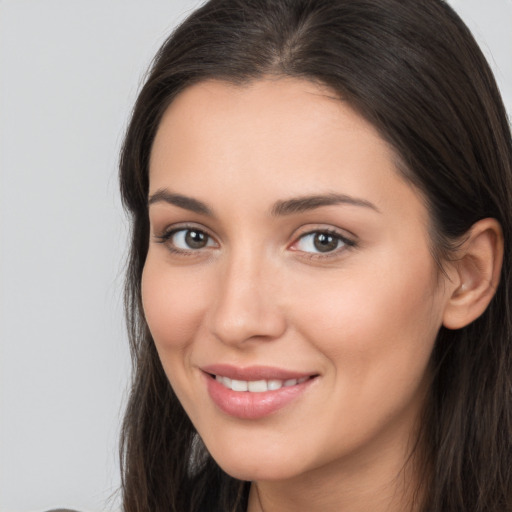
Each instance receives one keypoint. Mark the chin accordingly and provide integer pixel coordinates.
(244, 465)
(260, 472)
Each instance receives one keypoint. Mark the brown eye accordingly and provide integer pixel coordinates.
(321, 242)
(196, 239)
(325, 242)
(190, 239)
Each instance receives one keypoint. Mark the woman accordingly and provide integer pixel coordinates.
(319, 287)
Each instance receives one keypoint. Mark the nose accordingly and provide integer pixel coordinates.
(246, 307)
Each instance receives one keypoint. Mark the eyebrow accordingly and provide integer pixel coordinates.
(187, 203)
(306, 203)
(280, 208)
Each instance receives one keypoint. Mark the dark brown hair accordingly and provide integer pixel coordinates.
(411, 68)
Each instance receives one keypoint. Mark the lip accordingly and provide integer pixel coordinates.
(254, 372)
(252, 406)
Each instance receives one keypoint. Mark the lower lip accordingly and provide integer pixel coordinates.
(251, 406)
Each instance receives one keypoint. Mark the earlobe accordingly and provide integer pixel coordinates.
(478, 267)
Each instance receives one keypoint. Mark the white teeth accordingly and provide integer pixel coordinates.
(257, 386)
(223, 380)
(239, 385)
(274, 384)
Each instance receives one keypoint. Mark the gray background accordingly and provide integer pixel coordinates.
(69, 73)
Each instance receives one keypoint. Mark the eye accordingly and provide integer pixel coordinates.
(187, 239)
(321, 242)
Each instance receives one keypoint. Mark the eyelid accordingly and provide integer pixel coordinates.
(168, 232)
(348, 241)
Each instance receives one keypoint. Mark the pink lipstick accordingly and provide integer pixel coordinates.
(254, 392)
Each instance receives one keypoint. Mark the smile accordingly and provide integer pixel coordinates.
(258, 386)
(255, 392)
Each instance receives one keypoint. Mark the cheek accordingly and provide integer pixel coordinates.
(372, 323)
(377, 336)
(173, 302)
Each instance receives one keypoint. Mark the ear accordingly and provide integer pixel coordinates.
(478, 268)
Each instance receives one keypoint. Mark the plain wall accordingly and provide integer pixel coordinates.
(69, 73)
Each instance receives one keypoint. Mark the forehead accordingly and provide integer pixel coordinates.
(270, 139)
(258, 107)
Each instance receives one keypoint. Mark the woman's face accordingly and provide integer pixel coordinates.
(289, 258)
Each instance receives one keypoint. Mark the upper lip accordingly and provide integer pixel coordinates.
(251, 373)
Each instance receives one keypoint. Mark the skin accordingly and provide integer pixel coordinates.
(362, 317)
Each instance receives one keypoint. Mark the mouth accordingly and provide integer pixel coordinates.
(255, 392)
(258, 386)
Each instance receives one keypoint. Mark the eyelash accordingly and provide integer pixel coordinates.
(347, 242)
(166, 237)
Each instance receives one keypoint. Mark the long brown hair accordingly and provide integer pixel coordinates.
(412, 68)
